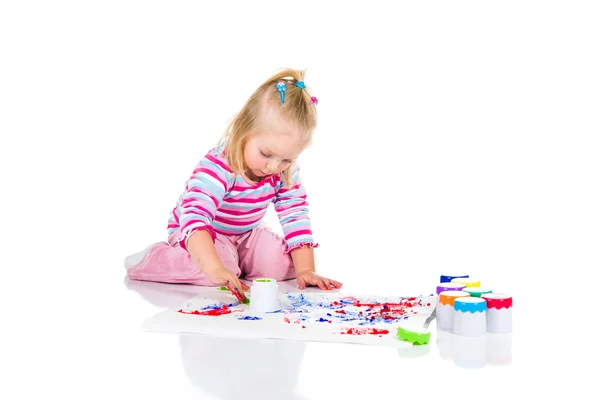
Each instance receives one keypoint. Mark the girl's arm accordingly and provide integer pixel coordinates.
(201, 247)
(304, 263)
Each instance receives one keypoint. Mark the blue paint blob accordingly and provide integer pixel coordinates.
(322, 320)
(248, 318)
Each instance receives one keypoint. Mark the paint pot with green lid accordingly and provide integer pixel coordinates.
(264, 295)
(413, 334)
(476, 291)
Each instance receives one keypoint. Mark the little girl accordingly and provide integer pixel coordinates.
(215, 234)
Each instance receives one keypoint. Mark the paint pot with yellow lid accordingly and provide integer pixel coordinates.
(444, 311)
(468, 282)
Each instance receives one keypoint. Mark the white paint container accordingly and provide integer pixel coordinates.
(499, 312)
(469, 317)
(444, 311)
(264, 295)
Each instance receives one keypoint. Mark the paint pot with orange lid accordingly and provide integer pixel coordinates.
(499, 312)
(444, 311)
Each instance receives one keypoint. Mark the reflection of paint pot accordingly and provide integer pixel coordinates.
(476, 291)
(469, 352)
(499, 312)
(448, 278)
(264, 295)
(443, 341)
(469, 316)
(414, 351)
(444, 311)
(449, 286)
(499, 348)
(468, 282)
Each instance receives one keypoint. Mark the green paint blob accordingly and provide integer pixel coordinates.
(264, 280)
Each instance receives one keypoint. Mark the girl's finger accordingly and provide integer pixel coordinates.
(321, 284)
(246, 287)
(336, 284)
(235, 283)
(301, 284)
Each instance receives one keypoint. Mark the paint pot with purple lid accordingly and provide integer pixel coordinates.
(448, 278)
(264, 295)
(449, 286)
(469, 316)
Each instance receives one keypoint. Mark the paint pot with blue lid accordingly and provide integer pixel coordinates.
(448, 278)
(449, 286)
(264, 295)
(469, 316)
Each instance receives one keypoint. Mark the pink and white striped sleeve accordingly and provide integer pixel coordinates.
(292, 209)
(203, 196)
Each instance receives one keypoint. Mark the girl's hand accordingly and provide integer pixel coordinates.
(310, 278)
(223, 276)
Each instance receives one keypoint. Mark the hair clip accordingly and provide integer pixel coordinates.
(300, 84)
(314, 100)
(281, 89)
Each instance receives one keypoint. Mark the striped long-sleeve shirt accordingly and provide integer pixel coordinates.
(220, 201)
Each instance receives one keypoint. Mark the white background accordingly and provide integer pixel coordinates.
(453, 136)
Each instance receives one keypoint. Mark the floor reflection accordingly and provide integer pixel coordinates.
(229, 368)
(232, 369)
(475, 352)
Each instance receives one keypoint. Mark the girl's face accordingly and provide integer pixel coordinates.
(272, 149)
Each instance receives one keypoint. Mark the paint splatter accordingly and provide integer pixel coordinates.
(364, 331)
(214, 312)
(249, 318)
(350, 309)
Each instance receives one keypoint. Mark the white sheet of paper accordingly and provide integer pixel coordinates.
(305, 316)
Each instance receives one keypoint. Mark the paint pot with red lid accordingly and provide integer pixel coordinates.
(499, 312)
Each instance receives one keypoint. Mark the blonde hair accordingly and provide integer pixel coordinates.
(297, 108)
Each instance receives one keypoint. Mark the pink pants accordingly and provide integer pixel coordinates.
(259, 253)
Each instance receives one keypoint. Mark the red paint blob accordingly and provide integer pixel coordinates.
(365, 331)
(213, 313)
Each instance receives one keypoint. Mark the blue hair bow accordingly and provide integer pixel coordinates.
(300, 84)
